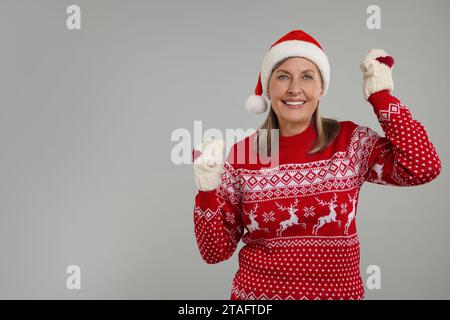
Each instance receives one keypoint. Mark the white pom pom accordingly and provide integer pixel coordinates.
(255, 104)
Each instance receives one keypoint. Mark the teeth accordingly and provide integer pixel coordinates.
(295, 103)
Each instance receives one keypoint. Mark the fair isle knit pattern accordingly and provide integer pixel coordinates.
(301, 239)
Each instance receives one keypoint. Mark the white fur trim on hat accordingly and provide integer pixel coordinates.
(295, 48)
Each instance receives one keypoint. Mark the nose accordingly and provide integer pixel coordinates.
(295, 88)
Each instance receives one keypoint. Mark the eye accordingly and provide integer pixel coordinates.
(283, 75)
(308, 76)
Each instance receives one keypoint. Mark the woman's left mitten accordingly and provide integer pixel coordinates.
(377, 72)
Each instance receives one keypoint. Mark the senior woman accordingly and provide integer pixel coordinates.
(299, 215)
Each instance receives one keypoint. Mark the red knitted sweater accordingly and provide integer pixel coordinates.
(301, 240)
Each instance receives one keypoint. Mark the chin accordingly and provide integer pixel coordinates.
(295, 119)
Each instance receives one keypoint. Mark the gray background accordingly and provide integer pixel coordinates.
(86, 118)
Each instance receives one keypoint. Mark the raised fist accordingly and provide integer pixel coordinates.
(208, 164)
(377, 72)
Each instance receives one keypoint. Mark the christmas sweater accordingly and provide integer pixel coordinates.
(299, 217)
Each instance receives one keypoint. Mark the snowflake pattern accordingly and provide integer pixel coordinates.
(309, 211)
(229, 217)
(269, 216)
(343, 208)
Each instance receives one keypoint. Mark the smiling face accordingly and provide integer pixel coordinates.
(295, 88)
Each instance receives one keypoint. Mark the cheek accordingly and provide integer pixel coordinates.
(313, 90)
(316, 89)
(278, 109)
(276, 89)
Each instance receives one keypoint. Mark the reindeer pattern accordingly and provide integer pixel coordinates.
(351, 216)
(267, 221)
(378, 169)
(254, 225)
(331, 217)
(293, 218)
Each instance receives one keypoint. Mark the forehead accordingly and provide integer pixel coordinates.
(297, 63)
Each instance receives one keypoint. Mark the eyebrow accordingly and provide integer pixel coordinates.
(285, 71)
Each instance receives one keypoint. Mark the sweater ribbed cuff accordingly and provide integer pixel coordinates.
(381, 98)
(206, 199)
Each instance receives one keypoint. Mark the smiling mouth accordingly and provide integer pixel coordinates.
(293, 105)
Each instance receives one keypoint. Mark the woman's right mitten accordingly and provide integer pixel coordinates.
(208, 164)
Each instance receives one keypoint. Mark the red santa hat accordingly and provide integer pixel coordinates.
(296, 43)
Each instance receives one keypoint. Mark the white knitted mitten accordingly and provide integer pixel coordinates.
(208, 164)
(377, 72)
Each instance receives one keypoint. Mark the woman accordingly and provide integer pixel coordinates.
(301, 240)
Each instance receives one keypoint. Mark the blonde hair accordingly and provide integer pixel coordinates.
(327, 129)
